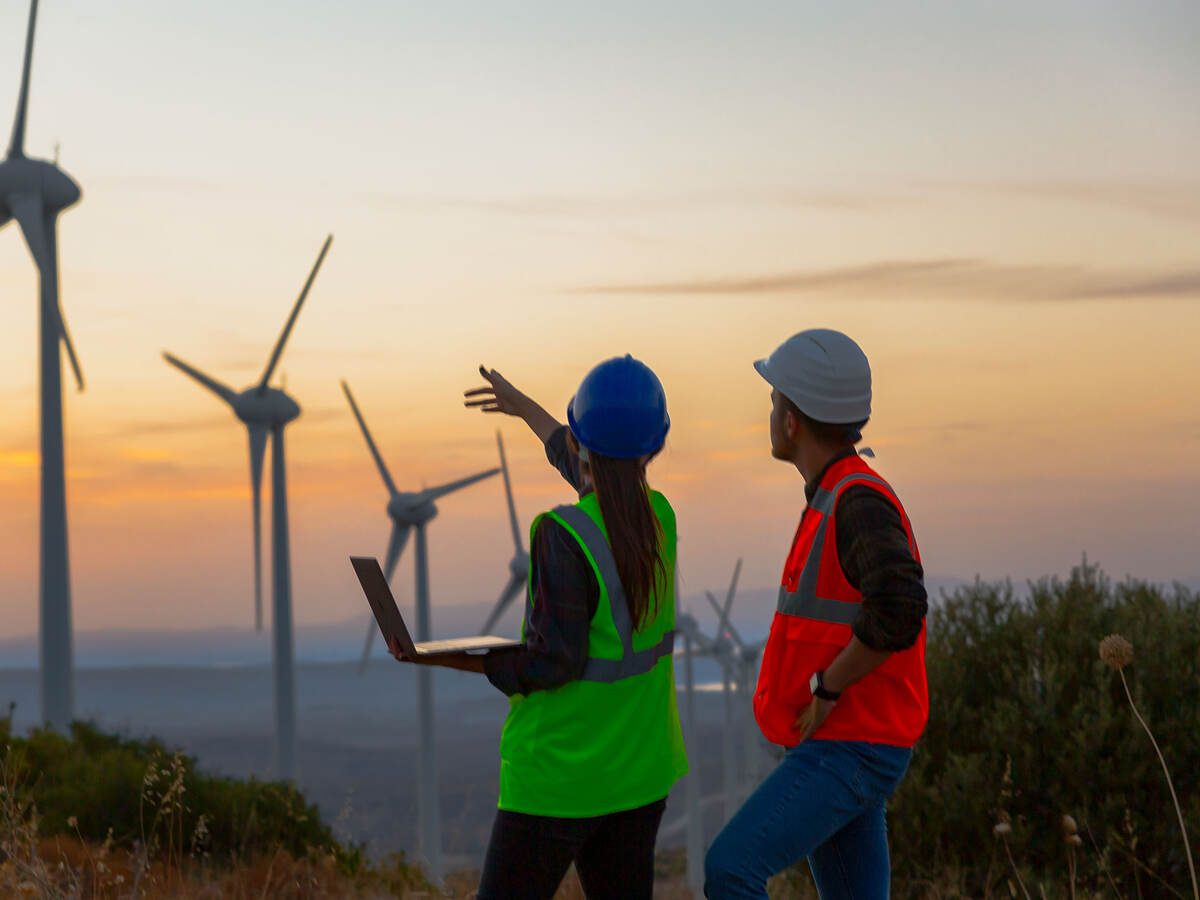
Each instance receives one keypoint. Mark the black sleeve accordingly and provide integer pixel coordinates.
(565, 597)
(876, 559)
(563, 459)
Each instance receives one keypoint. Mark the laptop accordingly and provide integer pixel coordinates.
(391, 623)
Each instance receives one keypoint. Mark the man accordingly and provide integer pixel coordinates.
(842, 682)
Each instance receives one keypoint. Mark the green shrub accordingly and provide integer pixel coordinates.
(1026, 724)
(138, 791)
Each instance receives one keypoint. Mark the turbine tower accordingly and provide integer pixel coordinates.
(266, 411)
(408, 511)
(727, 653)
(694, 643)
(518, 566)
(34, 192)
(741, 660)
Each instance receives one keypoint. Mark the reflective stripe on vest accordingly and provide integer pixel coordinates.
(804, 601)
(818, 608)
(632, 662)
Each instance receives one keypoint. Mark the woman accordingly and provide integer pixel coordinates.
(592, 743)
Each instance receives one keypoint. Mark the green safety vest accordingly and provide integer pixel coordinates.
(611, 740)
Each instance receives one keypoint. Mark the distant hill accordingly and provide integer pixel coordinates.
(229, 645)
(343, 641)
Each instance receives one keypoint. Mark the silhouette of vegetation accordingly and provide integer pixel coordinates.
(144, 792)
(95, 814)
(1034, 777)
(1028, 724)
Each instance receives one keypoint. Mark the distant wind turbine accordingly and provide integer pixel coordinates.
(741, 661)
(730, 658)
(408, 511)
(266, 411)
(694, 643)
(518, 566)
(34, 192)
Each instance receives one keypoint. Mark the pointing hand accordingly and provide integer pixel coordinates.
(498, 396)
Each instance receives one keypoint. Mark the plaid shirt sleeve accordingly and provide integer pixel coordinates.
(873, 549)
(563, 459)
(565, 595)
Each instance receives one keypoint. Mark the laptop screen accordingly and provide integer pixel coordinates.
(383, 604)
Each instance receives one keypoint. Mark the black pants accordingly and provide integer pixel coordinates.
(528, 856)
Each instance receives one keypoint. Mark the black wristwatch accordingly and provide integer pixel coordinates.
(816, 685)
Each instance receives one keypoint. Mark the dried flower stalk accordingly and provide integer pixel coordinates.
(1118, 653)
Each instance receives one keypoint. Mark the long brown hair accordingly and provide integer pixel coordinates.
(634, 532)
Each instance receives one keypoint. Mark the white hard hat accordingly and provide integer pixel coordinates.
(824, 373)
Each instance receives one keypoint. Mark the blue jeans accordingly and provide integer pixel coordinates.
(824, 801)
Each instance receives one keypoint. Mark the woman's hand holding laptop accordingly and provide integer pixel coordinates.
(463, 661)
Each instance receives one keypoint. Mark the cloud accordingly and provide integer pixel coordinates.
(1171, 199)
(153, 183)
(935, 278)
(1184, 283)
(583, 206)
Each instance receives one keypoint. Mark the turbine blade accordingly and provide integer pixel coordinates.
(42, 239)
(16, 145)
(27, 210)
(52, 245)
(725, 624)
(387, 478)
(366, 654)
(66, 339)
(717, 607)
(395, 548)
(223, 391)
(435, 493)
(737, 570)
(512, 509)
(287, 329)
(506, 597)
(258, 450)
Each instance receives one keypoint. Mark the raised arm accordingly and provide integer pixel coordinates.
(499, 396)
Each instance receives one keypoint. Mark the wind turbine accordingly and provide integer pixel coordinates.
(408, 511)
(723, 653)
(266, 411)
(694, 642)
(741, 661)
(518, 566)
(34, 192)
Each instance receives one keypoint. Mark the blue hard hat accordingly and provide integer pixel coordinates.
(620, 409)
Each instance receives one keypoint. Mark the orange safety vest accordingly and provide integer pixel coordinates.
(812, 623)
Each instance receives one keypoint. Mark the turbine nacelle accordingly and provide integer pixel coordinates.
(411, 509)
(265, 406)
(518, 566)
(56, 189)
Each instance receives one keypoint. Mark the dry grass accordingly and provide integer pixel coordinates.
(69, 868)
(169, 863)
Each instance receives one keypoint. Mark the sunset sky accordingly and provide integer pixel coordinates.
(1000, 202)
